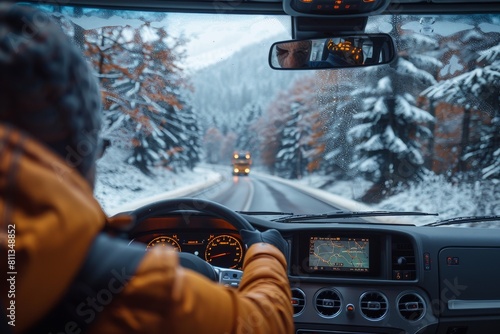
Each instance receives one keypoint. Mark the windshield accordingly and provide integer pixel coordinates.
(185, 94)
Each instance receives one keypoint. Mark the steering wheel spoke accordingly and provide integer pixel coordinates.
(229, 277)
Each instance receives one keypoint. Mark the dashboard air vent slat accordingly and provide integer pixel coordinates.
(298, 301)
(403, 259)
(373, 305)
(411, 306)
(328, 303)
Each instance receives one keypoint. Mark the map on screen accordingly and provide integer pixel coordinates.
(339, 254)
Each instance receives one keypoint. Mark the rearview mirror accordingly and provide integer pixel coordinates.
(332, 52)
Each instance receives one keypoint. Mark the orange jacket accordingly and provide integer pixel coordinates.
(49, 220)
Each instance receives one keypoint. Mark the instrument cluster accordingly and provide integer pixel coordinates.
(222, 249)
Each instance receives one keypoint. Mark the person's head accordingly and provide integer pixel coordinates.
(293, 54)
(47, 88)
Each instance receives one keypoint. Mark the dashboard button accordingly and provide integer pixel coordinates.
(427, 261)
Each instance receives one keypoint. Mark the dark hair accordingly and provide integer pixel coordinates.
(47, 89)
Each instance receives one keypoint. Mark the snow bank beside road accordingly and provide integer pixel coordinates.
(120, 187)
(174, 193)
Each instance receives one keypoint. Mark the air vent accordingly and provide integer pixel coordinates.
(373, 305)
(327, 302)
(403, 260)
(411, 306)
(298, 301)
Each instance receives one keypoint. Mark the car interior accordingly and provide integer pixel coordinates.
(351, 270)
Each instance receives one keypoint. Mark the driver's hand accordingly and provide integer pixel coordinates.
(271, 236)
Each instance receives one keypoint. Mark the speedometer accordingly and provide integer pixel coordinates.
(224, 251)
(164, 241)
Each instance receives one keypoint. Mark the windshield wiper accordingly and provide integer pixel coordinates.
(460, 220)
(353, 214)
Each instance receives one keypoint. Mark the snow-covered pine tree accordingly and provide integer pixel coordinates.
(391, 126)
(336, 107)
(477, 90)
(290, 162)
(142, 90)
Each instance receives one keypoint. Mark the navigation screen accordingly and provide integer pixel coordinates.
(339, 254)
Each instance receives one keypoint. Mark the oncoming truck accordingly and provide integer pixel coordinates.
(241, 163)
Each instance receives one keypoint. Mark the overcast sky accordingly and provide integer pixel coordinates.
(216, 37)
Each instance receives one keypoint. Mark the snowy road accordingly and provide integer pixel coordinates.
(260, 193)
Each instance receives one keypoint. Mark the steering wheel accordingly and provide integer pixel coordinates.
(188, 260)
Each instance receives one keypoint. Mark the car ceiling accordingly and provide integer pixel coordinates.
(276, 6)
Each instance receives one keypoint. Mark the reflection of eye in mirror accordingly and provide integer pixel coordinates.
(333, 52)
(294, 54)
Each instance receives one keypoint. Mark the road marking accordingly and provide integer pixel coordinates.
(249, 198)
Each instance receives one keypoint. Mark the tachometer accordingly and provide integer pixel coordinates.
(164, 241)
(224, 251)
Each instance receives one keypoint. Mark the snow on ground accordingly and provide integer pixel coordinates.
(434, 195)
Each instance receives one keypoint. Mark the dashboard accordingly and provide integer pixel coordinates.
(350, 277)
(360, 279)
